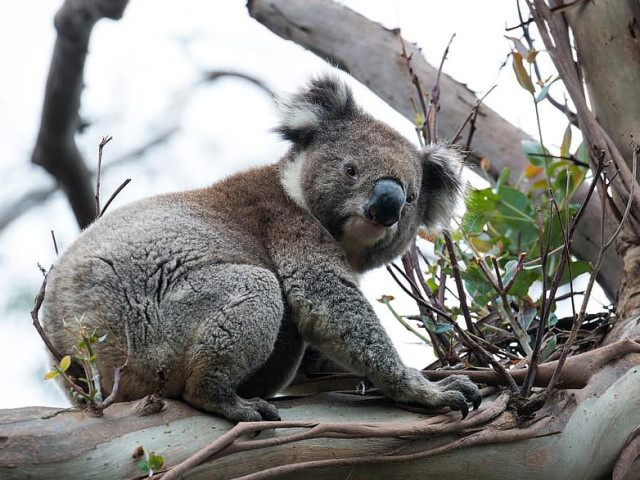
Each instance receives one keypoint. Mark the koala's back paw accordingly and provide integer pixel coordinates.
(226, 402)
(254, 410)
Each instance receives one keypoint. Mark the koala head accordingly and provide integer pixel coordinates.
(369, 186)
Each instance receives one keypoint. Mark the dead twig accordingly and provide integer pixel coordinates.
(36, 321)
(106, 139)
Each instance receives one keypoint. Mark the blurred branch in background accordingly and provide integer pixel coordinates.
(56, 149)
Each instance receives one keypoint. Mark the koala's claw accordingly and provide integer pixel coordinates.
(464, 410)
(462, 384)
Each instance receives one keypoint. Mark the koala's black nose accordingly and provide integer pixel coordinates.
(386, 203)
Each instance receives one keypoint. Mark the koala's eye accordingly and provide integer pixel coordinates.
(410, 199)
(351, 171)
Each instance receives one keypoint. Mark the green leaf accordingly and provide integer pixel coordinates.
(526, 313)
(502, 179)
(535, 153)
(521, 49)
(143, 466)
(523, 282)
(65, 363)
(51, 374)
(473, 223)
(155, 462)
(436, 327)
(545, 89)
(479, 288)
(543, 93)
(81, 345)
(566, 142)
(560, 185)
(482, 200)
(549, 348)
(578, 267)
(521, 73)
(509, 271)
(582, 154)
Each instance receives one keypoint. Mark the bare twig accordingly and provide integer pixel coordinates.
(106, 139)
(114, 195)
(458, 279)
(55, 244)
(36, 321)
(434, 101)
(116, 376)
(471, 117)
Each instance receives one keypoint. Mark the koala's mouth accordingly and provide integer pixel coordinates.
(364, 231)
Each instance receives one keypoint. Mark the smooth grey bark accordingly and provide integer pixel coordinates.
(587, 430)
(373, 55)
(607, 39)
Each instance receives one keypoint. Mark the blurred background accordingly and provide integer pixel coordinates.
(171, 131)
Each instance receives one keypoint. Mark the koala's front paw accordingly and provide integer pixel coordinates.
(453, 392)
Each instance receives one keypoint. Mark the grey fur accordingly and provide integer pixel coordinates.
(224, 287)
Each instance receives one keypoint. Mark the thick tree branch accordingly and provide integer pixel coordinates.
(578, 430)
(55, 149)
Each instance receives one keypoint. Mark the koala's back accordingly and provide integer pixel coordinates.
(160, 265)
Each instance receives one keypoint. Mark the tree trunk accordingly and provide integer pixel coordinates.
(373, 55)
(607, 38)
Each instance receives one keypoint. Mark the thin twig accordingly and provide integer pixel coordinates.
(36, 321)
(55, 243)
(462, 296)
(106, 139)
(434, 101)
(114, 195)
(116, 375)
(472, 114)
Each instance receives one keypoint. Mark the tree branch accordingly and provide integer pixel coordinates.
(55, 148)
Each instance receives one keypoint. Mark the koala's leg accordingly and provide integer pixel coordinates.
(333, 316)
(316, 362)
(278, 371)
(239, 309)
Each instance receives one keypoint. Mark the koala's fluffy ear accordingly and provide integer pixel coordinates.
(442, 184)
(326, 98)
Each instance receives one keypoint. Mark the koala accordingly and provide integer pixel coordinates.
(225, 287)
